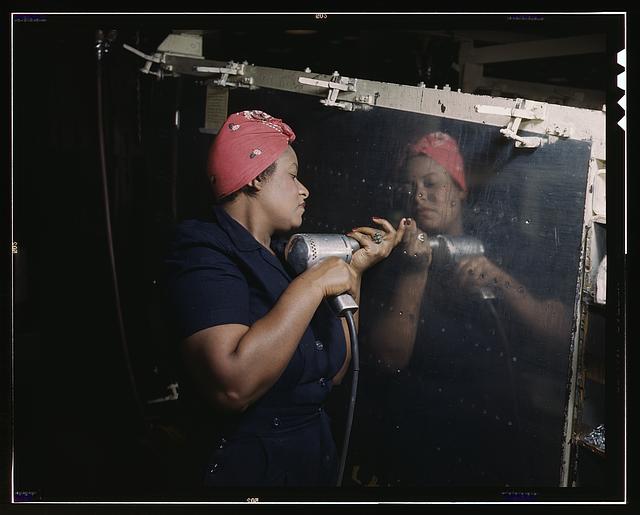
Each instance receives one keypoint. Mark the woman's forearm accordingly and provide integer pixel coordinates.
(393, 330)
(549, 319)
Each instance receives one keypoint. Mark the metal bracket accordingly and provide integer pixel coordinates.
(232, 68)
(335, 86)
(524, 110)
(174, 394)
(157, 58)
(178, 45)
(561, 132)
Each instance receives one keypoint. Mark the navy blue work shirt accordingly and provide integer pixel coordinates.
(218, 273)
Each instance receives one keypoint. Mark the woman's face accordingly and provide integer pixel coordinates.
(283, 195)
(437, 200)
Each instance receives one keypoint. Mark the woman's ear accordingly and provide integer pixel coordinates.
(459, 193)
(256, 184)
(463, 194)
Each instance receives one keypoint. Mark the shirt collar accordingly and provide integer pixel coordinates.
(241, 238)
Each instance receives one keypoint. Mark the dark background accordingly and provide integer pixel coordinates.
(82, 428)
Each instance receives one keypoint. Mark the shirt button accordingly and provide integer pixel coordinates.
(322, 381)
(214, 468)
(275, 422)
(319, 345)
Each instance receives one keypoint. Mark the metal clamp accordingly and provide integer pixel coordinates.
(232, 68)
(174, 394)
(335, 86)
(524, 110)
(175, 45)
(561, 132)
(520, 141)
(156, 58)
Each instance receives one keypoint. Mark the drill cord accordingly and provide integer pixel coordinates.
(355, 361)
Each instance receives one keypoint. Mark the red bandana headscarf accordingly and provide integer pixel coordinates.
(443, 149)
(248, 142)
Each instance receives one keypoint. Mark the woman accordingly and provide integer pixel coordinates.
(261, 349)
(449, 396)
(434, 171)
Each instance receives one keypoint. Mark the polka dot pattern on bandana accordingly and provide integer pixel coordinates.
(253, 141)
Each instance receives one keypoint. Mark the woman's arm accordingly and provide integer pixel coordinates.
(392, 331)
(549, 319)
(235, 364)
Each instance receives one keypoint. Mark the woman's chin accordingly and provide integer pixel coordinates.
(428, 224)
(295, 224)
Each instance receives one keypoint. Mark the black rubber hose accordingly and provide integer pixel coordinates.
(512, 380)
(355, 361)
(112, 259)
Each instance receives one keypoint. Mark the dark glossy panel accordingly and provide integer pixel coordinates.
(482, 399)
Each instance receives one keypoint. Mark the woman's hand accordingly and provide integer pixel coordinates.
(549, 319)
(332, 276)
(416, 251)
(478, 272)
(375, 244)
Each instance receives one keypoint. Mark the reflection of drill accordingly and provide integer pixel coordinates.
(452, 249)
(449, 250)
(305, 250)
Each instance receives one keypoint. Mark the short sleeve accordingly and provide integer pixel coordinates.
(205, 288)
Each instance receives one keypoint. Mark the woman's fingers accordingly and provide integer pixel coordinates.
(377, 244)
(411, 233)
(409, 227)
(477, 271)
(385, 223)
(402, 227)
(389, 233)
(415, 246)
(363, 240)
(370, 231)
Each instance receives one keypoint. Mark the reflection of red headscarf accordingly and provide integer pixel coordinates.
(248, 142)
(443, 149)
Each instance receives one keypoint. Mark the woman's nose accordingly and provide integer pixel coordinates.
(422, 194)
(303, 191)
(425, 194)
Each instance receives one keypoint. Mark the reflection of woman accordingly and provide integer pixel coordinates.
(434, 171)
(449, 407)
(261, 349)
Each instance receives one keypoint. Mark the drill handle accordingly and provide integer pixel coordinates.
(343, 303)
